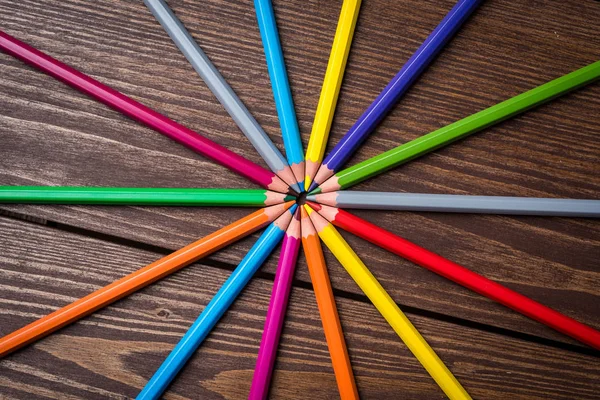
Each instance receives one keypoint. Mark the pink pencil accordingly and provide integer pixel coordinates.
(276, 312)
(141, 113)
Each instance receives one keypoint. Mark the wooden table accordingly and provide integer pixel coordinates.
(52, 255)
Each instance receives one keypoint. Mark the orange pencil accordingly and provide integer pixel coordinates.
(328, 310)
(141, 278)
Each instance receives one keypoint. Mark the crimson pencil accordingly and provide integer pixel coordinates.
(141, 113)
(460, 275)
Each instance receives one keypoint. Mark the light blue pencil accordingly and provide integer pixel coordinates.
(281, 88)
(223, 299)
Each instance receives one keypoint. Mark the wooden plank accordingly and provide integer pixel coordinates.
(504, 49)
(112, 353)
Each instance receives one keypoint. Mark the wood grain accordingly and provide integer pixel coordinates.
(548, 152)
(112, 353)
(52, 135)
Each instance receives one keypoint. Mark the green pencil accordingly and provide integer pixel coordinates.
(458, 130)
(140, 196)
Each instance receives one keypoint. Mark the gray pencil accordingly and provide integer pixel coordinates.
(222, 91)
(460, 203)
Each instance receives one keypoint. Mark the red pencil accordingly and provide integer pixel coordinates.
(141, 113)
(460, 275)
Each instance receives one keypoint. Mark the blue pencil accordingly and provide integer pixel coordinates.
(281, 88)
(392, 93)
(226, 295)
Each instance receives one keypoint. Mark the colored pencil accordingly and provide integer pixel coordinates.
(387, 307)
(460, 129)
(331, 88)
(141, 113)
(222, 91)
(215, 309)
(330, 319)
(460, 275)
(280, 85)
(276, 311)
(140, 196)
(141, 278)
(459, 203)
(397, 87)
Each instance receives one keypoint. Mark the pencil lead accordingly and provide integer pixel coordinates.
(314, 206)
(292, 192)
(297, 187)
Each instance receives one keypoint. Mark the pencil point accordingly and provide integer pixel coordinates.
(297, 187)
(292, 192)
(314, 192)
(314, 206)
(313, 186)
(289, 197)
(307, 182)
(289, 204)
(311, 197)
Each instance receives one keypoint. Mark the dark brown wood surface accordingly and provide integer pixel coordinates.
(52, 135)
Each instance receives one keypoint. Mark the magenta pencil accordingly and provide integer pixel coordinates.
(141, 113)
(276, 312)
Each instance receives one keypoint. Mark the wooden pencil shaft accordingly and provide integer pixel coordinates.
(139, 196)
(332, 326)
(467, 204)
(282, 93)
(332, 83)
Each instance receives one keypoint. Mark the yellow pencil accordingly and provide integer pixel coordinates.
(331, 88)
(387, 307)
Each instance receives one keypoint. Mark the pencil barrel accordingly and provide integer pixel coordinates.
(330, 319)
(469, 204)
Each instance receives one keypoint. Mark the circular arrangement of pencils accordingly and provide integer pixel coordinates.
(304, 200)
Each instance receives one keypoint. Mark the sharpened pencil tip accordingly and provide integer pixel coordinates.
(314, 206)
(315, 191)
(301, 186)
(307, 182)
(289, 204)
(308, 209)
(297, 187)
(289, 197)
(292, 192)
(313, 186)
(311, 197)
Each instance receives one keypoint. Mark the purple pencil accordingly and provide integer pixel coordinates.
(276, 312)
